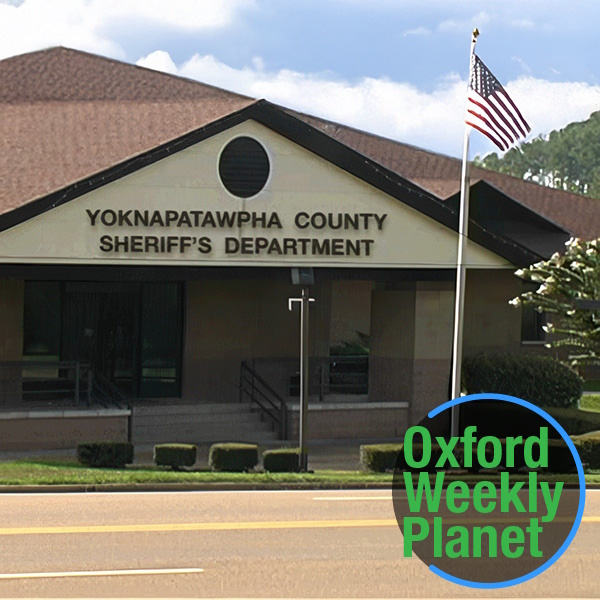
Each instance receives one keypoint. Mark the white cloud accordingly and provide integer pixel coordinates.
(159, 61)
(550, 105)
(397, 110)
(526, 68)
(523, 24)
(183, 14)
(417, 31)
(88, 24)
(468, 24)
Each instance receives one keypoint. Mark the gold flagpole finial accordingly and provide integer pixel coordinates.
(475, 33)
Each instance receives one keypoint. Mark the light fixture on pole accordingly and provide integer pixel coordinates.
(304, 278)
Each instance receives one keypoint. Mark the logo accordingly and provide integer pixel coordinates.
(495, 505)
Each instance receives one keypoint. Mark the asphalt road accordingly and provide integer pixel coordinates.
(241, 544)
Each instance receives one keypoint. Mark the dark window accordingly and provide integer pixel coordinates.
(160, 347)
(244, 167)
(532, 321)
(532, 325)
(42, 319)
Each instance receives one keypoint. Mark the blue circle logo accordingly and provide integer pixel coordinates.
(494, 506)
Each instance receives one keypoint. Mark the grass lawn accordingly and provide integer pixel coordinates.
(590, 402)
(47, 472)
(69, 472)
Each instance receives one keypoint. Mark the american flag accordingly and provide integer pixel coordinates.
(490, 109)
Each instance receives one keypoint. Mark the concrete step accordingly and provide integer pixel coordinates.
(191, 409)
(193, 435)
(200, 420)
(200, 423)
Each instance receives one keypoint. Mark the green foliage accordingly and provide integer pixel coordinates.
(540, 380)
(380, 458)
(567, 159)
(233, 457)
(113, 455)
(175, 456)
(574, 421)
(560, 458)
(564, 279)
(359, 346)
(282, 460)
(588, 446)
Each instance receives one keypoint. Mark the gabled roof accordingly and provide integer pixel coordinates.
(66, 114)
(54, 102)
(440, 175)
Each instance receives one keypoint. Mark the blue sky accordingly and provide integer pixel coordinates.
(394, 67)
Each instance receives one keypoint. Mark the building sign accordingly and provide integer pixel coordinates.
(239, 232)
(177, 212)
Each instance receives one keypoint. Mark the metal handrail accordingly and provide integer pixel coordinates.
(331, 379)
(268, 401)
(106, 393)
(70, 383)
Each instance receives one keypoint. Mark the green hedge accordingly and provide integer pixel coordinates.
(175, 456)
(386, 457)
(588, 446)
(380, 457)
(541, 380)
(282, 460)
(233, 457)
(575, 421)
(105, 454)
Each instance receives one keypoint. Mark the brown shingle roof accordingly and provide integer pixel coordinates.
(66, 114)
(64, 75)
(440, 175)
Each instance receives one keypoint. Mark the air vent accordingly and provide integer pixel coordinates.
(244, 167)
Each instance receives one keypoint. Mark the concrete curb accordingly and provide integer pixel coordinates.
(204, 487)
(183, 487)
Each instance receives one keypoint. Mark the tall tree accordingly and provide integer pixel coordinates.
(567, 159)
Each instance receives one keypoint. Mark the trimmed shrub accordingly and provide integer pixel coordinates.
(282, 460)
(387, 457)
(588, 446)
(175, 456)
(560, 459)
(502, 419)
(380, 457)
(541, 380)
(574, 421)
(233, 457)
(114, 455)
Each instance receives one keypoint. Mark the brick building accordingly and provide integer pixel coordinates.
(149, 226)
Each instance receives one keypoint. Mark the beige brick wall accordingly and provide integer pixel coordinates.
(11, 338)
(231, 321)
(57, 433)
(354, 423)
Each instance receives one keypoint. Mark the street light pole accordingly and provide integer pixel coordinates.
(305, 278)
(304, 306)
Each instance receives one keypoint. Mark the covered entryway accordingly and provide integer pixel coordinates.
(127, 333)
(99, 329)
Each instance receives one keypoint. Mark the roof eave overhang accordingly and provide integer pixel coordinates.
(307, 136)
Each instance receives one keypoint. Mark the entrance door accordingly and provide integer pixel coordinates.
(99, 328)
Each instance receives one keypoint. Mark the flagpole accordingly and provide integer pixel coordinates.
(461, 271)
